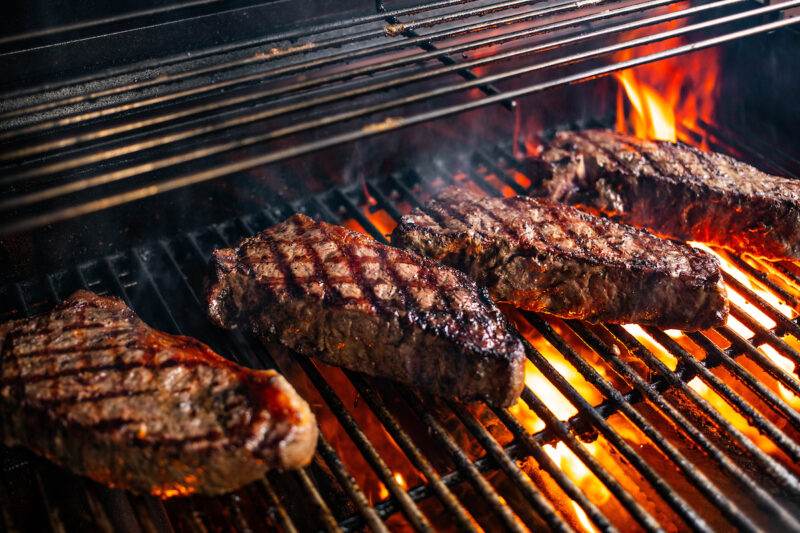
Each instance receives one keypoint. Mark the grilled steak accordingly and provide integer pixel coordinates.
(94, 389)
(342, 297)
(544, 256)
(676, 190)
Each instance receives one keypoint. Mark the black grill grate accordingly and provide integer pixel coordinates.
(666, 454)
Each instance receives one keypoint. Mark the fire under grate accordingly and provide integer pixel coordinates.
(619, 427)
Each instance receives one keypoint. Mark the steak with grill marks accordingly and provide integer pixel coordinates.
(340, 296)
(676, 190)
(94, 389)
(544, 256)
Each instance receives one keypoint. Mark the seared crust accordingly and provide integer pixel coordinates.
(544, 256)
(676, 190)
(94, 389)
(342, 297)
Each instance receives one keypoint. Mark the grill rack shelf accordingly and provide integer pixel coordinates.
(129, 133)
(159, 281)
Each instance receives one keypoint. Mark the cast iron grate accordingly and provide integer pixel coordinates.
(699, 466)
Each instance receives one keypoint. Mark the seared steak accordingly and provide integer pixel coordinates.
(544, 256)
(342, 297)
(676, 190)
(94, 389)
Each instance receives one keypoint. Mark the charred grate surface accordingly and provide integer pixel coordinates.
(617, 426)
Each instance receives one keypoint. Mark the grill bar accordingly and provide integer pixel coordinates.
(751, 382)
(366, 70)
(290, 35)
(33, 220)
(530, 492)
(142, 272)
(381, 48)
(700, 481)
(465, 466)
(775, 469)
(563, 433)
(566, 484)
(350, 485)
(465, 523)
(762, 497)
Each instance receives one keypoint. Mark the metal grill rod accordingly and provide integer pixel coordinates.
(697, 479)
(763, 498)
(383, 47)
(100, 21)
(370, 69)
(792, 416)
(704, 485)
(667, 493)
(464, 465)
(213, 173)
(562, 431)
(510, 468)
(314, 64)
(546, 463)
(377, 406)
(291, 35)
(761, 360)
(785, 478)
(787, 445)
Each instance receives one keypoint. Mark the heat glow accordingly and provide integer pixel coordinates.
(667, 94)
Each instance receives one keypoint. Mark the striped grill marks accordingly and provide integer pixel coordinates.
(342, 269)
(69, 365)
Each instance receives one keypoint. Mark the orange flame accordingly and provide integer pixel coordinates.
(669, 93)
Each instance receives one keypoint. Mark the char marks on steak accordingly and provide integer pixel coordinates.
(93, 388)
(544, 256)
(676, 190)
(340, 296)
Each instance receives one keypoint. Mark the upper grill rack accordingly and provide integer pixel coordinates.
(129, 133)
(477, 467)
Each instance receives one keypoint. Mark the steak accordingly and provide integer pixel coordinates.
(94, 389)
(676, 190)
(541, 255)
(342, 297)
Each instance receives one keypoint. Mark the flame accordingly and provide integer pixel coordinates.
(653, 116)
(668, 93)
(584, 520)
(742, 303)
(383, 493)
(568, 462)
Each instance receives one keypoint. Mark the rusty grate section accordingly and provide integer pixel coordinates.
(619, 427)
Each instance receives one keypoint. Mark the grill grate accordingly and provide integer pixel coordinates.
(664, 453)
(123, 134)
